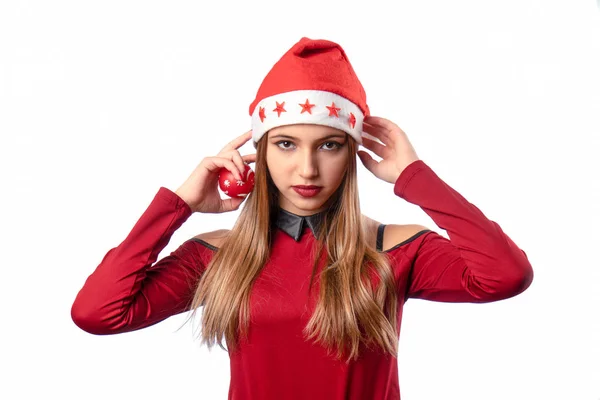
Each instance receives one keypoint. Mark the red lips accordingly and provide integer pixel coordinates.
(307, 190)
(307, 187)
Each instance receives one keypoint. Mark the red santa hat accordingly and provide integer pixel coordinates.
(313, 83)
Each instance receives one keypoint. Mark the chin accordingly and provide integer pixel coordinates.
(307, 204)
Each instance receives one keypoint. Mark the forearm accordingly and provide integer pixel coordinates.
(482, 259)
(102, 303)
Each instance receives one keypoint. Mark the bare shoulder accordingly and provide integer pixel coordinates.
(213, 238)
(396, 234)
(393, 234)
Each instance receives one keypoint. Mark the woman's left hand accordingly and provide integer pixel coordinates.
(396, 151)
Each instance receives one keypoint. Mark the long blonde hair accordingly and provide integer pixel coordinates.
(352, 305)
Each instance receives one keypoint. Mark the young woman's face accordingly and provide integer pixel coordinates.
(309, 155)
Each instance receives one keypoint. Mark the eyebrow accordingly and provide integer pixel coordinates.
(335, 135)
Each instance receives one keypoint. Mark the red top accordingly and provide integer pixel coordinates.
(129, 291)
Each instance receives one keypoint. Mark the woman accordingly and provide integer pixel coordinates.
(307, 291)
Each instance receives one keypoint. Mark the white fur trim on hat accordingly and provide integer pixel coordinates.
(326, 108)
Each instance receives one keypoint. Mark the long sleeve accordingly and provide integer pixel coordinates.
(479, 263)
(126, 291)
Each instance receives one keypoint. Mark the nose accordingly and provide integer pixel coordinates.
(308, 165)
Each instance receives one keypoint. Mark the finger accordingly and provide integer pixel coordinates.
(383, 123)
(231, 204)
(238, 141)
(236, 157)
(367, 160)
(215, 163)
(377, 132)
(375, 147)
(239, 162)
(249, 158)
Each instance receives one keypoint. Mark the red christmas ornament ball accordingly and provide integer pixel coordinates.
(233, 187)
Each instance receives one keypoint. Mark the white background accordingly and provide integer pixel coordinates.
(101, 103)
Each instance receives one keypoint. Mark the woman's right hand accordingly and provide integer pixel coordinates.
(200, 191)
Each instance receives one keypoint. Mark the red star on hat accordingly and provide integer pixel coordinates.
(333, 110)
(280, 108)
(261, 114)
(306, 107)
(352, 120)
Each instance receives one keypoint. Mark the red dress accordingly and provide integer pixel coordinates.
(129, 290)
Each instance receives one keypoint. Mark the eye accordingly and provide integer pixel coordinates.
(335, 145)
(278, 144)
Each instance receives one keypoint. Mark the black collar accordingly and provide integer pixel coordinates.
(293, 224)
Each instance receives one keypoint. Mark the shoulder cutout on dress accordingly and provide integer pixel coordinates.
(213, 239)
(392, 236)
